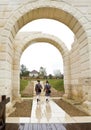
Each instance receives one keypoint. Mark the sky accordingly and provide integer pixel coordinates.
(44, 54)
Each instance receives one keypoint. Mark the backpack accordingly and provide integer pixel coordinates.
(38, 88)
(47, 87)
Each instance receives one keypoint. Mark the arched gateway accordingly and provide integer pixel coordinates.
(77, 63)
(23, 40)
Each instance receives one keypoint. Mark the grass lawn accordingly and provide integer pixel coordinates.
(23, 84)
(58, 84)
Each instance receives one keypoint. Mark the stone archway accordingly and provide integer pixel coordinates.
(25, 39)
(80, 77)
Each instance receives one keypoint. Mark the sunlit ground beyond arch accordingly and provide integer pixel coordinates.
(42, 54)
(53, 27)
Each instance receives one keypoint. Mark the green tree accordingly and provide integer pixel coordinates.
(24, 71)
(42, 72)
(50, 76)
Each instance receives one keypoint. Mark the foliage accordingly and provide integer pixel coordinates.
(42, 72)
(50, 76)
(24, 72)
(58, 84)
(23, 68)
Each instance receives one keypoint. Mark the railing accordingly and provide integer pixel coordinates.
(3, 103)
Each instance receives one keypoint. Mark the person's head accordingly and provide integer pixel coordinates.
(47, 82)
(38, 81)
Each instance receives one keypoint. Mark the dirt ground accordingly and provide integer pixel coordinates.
(23, 109)
(68, 108)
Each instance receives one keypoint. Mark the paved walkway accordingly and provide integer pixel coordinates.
(48, 112)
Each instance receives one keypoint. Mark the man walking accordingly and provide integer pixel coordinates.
(47, 90)
(38, 88)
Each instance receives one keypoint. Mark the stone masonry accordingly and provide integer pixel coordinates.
(76, 14)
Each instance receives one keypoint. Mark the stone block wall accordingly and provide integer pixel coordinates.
(76, 14)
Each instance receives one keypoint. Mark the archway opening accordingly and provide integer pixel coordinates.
(42, 54)
(46, 56)
(52, 27)
(47, 11)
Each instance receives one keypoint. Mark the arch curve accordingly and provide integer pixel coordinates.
(29, 38)
(60, 11)
(24, 39)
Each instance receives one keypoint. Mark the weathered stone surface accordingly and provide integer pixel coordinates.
(77, 62)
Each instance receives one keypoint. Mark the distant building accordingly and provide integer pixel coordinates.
(34, 73)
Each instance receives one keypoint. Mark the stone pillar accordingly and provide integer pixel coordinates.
(87, 95)
(5, 70)
(86, 79)
(67, 85)
(16, 77)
